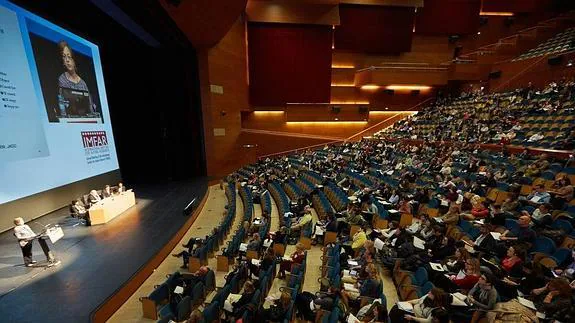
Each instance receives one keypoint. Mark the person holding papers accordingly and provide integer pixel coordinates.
(465, 279)
(555, 299)
(541, 217)
(485, 242)
(482, 297)
(237, 304)
(523, 235)
(370, 287)
(420, 309)
(296, 258)
(538, 196)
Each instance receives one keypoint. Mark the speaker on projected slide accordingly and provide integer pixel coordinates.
(363, 109)
(494, 75)
(335, 109)
(190, 207)
(555, 60)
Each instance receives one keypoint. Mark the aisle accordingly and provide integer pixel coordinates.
(209, 217)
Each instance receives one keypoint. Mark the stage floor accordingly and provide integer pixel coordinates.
(96, 260)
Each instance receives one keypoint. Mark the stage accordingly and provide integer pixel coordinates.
(96, 260)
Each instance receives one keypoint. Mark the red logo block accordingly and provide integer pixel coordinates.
(94, 139)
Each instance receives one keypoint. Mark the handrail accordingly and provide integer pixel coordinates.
(288, 134)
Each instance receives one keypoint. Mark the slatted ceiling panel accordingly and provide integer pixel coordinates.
(374, 29)
(448, 17)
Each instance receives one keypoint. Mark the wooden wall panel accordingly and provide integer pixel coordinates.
(535, 71)
(223, 111)
(266, 144)
(286, 11)
(333, 130)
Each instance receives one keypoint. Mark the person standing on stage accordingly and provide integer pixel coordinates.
(25, 236)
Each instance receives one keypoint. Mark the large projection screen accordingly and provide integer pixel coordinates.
(55, 129)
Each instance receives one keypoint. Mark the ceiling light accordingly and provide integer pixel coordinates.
(370, 87)
(502, 14)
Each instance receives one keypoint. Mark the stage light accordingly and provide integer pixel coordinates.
(501, 14)
(325, 123)
(268, 112)
(370, 87)
(408, 87)
(343, 85)
(342, 66)
(348, 102)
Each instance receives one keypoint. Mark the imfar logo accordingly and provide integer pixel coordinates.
(94, 139)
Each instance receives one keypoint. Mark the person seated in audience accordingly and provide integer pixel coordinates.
(235, 305)
(482, 297)
(541, 217)
(513, 261)
(107, 191)
(445, 248)
(301, 222)
(374, 312)
(531, 277)
(94, 197)
(485, 242)
(358, 240)
(523, 235)
(554, 299)
(497, 216)
(478, 212)
(255, 243)
(458, 261)
(510, 205)
(369, 287)
(423, 308)
(277, 311)
(266, 262)
(501, 174)
(465, 279)
(452, 215)
(280, 235)
(187, 254)
(563, 192)
(538, 196)
(567, 268)
(296, 257)
(259, 223)
(308, 304)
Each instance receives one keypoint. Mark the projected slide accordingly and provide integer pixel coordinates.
(55, 126)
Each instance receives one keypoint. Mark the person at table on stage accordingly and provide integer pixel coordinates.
(25, 236)
(121, 188)
(107, 192)
(94, 197)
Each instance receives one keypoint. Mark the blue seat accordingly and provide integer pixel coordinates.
(560, 255)
(563, 225)
(548, 175)
(543, 245)
(420, 277)
(511, 225)
(212, 312)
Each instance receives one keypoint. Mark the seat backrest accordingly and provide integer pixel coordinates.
(210, 280)
(563, 225)
(421, 276)
(184, 308)
(544, 244)
(160, 294)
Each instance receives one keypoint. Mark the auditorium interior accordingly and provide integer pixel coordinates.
(287, 161)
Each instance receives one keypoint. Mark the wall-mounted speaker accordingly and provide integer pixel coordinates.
(389, 92)
(335, 109)
(415, 92)
(453, 39)
(555, 60)
(363, 109)
(495, 75)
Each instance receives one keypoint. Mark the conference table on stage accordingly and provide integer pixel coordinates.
(111, 207)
